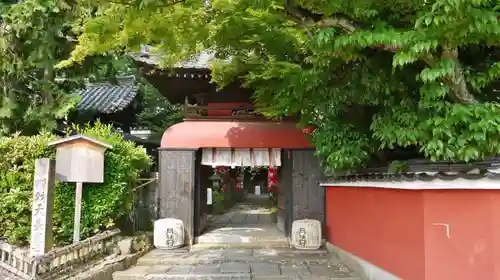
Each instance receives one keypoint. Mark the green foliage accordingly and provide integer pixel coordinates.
(102, 204)
(157, 113)
(34, 37)
(398, 166)
(17, 158)
(218, 206)
(369, 75)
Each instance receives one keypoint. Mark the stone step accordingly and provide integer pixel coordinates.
(199, 255)
(243, 236)
(259, 245)
(234, 271)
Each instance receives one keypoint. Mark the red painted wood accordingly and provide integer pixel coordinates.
(222, 112)
(234, 134)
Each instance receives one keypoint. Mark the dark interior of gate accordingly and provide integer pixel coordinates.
(222, 131)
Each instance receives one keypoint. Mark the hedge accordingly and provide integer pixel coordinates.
(102, 204)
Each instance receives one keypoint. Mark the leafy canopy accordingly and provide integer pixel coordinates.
(35, 36)
(369, 74)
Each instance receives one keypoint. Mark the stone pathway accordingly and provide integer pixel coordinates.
(237, 264)
(254, 211)
(249, 224)
(262, 252)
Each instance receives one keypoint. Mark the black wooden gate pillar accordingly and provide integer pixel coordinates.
(177, 185)
(300, 177)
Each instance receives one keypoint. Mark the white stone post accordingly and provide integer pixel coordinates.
(42, 207)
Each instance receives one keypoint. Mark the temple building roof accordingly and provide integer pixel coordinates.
(107, 98)
(200, 61)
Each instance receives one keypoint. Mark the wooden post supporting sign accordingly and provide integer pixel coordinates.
(78, 211)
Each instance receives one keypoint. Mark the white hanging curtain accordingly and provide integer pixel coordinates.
(207, 156)
(275, 157)
(261, 157)
(241, 157)
(223, 157)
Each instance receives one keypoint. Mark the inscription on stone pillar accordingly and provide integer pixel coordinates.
(43, 204)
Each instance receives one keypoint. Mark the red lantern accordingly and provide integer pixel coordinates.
(272, 177)
(222, 170)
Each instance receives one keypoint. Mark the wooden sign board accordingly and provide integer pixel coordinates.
(80, 159)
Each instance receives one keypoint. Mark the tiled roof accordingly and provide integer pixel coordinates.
(199, 61)
(107, 98)
(425, 171)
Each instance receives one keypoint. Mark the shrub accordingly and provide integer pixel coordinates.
(218, 202)
(17, 158)
(102, 204)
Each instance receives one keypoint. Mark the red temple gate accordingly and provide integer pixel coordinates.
(225, 119)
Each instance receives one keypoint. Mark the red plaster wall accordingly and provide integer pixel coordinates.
(400, 231)
(471, 250)
(384, 227)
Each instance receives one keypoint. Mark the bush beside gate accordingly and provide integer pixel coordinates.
(102, 204)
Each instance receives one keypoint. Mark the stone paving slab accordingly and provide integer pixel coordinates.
(264, 268)
(251, 264)
(205, 256)
(256, 210)
(205, 269)
(294, 269)
(199, 277)
(235, 267)
(180, 269)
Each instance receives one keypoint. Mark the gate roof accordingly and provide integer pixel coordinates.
(194, 134)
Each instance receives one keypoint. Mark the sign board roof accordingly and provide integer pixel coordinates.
(80, 137)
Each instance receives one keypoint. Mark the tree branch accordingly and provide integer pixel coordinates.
(459, 91)
(458, 85)
(295, 15)
(153, 6)
(347, 25)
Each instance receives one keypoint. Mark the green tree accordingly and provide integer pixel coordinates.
(35, 36)
(157, 113)
(370, 75)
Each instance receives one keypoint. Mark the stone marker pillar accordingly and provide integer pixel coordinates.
(43, 204)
